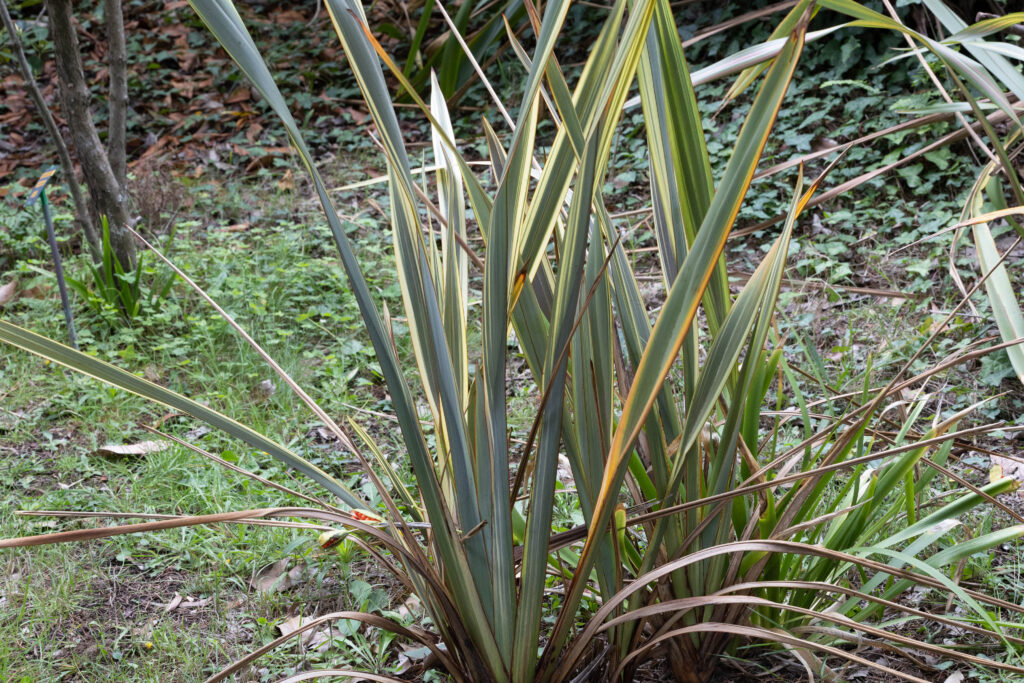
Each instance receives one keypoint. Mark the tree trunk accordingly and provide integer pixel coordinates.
(118, 95)
(83, 219)
(106, 194)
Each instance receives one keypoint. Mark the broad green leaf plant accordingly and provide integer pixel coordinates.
(706, 527)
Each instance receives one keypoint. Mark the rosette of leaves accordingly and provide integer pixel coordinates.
(730, 535)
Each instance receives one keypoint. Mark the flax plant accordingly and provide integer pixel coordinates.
(729, 536)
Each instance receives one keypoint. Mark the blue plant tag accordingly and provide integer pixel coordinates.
(40, 184)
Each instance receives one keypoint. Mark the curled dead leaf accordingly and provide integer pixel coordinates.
(277, 577)
(312, 639)
(141, 448)
(287, 181)
(8, 291)
(411, 608)
(173, 604)
(240, 95)
(265, 389)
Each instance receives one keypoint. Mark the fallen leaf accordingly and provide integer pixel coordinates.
(175, 601)
(237, 602)
(252, 132)
(312, 639)
(277, 577)
(197, 432)
(290, 16)
(144, 631)
(8, 291)
(266, 388)
(411, 608)
(413, 659)
(267, 158)
(358, 117)
(320, 637)
(287, 182)
(240, 95)
(141, 448)
(40, 291)
(195, 603)
(323, 435)
(291, 625)
(151, 373)
(564, 471)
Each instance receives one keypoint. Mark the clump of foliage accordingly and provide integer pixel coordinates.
(708, 522)
(114, 291)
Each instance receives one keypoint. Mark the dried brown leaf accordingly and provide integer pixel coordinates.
(8, 291)
(277, 577)
(141, 448)
(173, 604)
(311, 639)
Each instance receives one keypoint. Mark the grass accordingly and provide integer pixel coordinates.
(96, 612)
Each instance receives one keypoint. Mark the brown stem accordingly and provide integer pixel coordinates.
(118, 96)
(82, 216)
(105, 192)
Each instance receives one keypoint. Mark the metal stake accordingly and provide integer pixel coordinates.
(40, 191)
